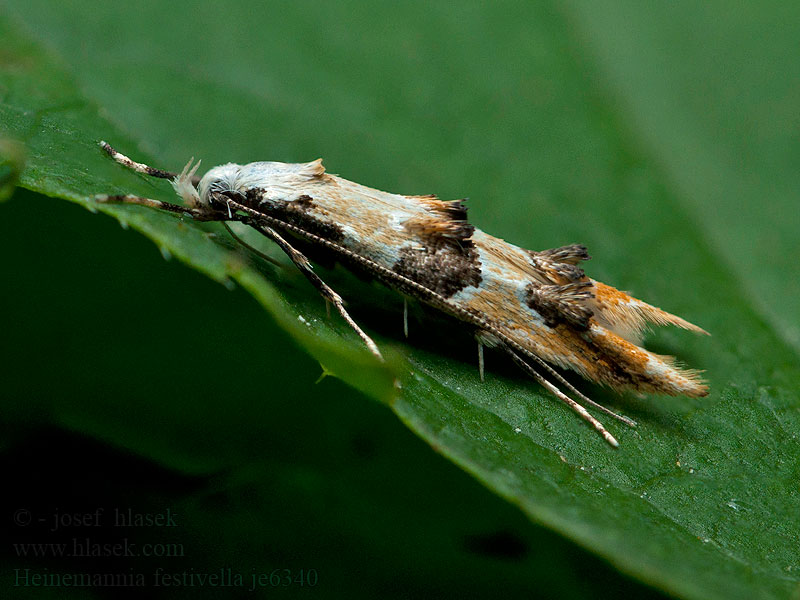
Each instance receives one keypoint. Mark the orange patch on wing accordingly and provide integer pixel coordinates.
(628, 316)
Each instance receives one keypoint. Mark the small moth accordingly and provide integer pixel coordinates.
(540, 308)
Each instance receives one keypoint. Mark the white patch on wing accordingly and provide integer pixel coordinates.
(657, 367)
(382, 254)
(397, 220)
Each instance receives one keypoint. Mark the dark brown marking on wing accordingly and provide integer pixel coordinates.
(446, 260)
(559, 265)
(299, 213)
(443, 265)
(304, 202)
(572, 254)
(561, 303)
(568, 272)
(615, 369)
(455, 209)
(444, 217)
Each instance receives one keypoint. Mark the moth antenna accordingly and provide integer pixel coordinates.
(582, 412)
(197, 214)
(405, 317)
(141, 167)
(249, 247)
(622, 418)
(480, 359)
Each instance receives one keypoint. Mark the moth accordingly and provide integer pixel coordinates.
(540, 308)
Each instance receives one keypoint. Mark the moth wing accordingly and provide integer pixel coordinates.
(628, 317)
(591, 327)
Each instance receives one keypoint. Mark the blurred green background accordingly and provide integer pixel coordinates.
(663, 136)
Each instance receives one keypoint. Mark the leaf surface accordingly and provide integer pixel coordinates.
(699, 500)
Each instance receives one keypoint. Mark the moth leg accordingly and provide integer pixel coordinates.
(405, 316)
(582, 412)
(323, 288)
(255, 251)
(141, 167)
(485, 338)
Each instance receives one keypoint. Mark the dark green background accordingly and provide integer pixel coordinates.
(665, 137)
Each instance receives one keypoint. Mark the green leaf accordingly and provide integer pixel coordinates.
(526, 110)
(12, 161)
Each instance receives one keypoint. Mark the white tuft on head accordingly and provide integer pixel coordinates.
(220, 179)
(274, 180)
(183, 185)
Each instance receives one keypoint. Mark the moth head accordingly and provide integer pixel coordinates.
(274, 179)
(218, 182)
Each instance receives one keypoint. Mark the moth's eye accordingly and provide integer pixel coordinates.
(233, 195)
(218, 199)
(218, 186)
